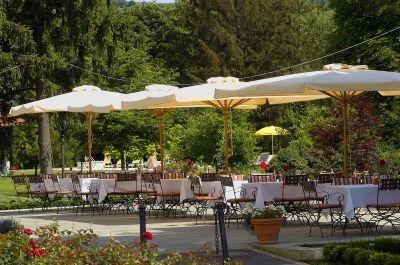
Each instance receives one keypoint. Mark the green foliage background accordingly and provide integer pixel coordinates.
(188, 42)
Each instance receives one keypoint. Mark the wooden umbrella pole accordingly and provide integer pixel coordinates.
(225, 112)
(345, 105)
(89, 117)
(161, 138)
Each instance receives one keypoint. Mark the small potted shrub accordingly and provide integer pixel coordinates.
(266, 223)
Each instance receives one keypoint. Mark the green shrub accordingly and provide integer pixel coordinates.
(379, 258)
(392, 260)
(334, 253)
(362, 257)
(388, 245)
(382, 251)
(349, 255)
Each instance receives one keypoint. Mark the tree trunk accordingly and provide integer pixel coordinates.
(46, 153)
(122, 154)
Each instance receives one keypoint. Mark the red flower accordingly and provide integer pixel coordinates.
(38, 252)
(28, 231)
(32, 243)
(285, 168)
(28, 252)
(264, 165)
(189, 162)
(148, 235)
(382, 162)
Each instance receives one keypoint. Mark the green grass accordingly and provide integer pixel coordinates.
(7, 191)
(6, 187)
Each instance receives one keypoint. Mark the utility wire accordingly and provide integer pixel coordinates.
(322, 57)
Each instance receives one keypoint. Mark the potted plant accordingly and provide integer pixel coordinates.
(266, 223)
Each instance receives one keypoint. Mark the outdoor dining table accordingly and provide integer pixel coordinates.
(268, 191)
(359, 196)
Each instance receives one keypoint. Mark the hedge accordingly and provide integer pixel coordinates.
(382, 251)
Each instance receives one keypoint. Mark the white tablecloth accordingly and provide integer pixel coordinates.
(268, 191)
(359, 196)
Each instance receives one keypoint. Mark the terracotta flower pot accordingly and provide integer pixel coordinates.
(267, 230)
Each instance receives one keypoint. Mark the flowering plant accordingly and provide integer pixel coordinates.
(49, 245)
(270, 211)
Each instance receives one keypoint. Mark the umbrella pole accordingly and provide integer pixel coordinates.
(160, 116)
(272, 147)
(225, 112)
(89, 117)
(345, 104)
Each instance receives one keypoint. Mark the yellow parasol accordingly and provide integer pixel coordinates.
(271, 130)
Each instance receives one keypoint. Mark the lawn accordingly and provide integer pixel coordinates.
(7, 191)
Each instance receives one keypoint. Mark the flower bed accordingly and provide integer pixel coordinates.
(50, 245)
(381, 251)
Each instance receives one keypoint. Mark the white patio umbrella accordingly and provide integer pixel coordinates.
(85, 99)
(203, 96)
(343, 83)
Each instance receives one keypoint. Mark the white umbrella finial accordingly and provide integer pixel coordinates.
(86, 88)
(221, 79)
(341, 66)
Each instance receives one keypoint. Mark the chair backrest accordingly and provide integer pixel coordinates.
(121, 177)
(262, 178)
(195, 184)
(49, 176)
(227, 181)
(174, 175)
(346, 181)
(210, 177)
(325, 178)
(20, 184)
(109, 175)
(367, 179)
(389, 184)
(35, 179)
(150, 180)
(310, 188)
(86, 175)
(294, 180)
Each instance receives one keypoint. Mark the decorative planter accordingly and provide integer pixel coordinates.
(267, 230)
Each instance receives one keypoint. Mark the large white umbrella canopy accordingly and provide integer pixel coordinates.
(85, 99)
(203, 95)
(343, 83)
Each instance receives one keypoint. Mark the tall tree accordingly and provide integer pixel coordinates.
(63, 32)
(16, 47)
